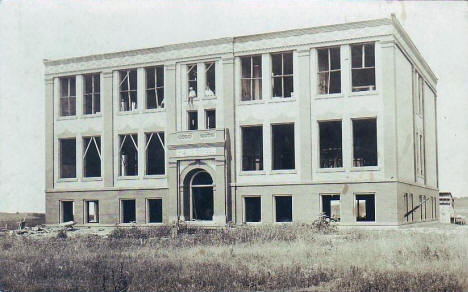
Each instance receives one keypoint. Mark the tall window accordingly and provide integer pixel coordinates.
(92, 96)
(92, 157)
(67, 96)
(329, 70)
(192, 119)
(251, 78)
(210, 119)
(192, 81)
(283, 146)
(365, 142)
(252, 148)
(210, 87)
(155, 153)
(128, 90)
(363, 67)
(282, 75)
(155, 87)
(154, 207)
(92, 212)
(419, 94)
(67, 158)
(128, 154)
(420, 154)
(331, 154)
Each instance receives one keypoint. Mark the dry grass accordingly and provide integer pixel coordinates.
(246, 258)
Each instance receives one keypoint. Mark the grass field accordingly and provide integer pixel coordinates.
(10, 220)
(280, 257)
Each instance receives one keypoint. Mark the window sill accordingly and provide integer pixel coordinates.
(364, 93)
(123, 113)
(329, 96)
(331, 169)
(209, 97)
(65, 118)
(91, 179)
(154, 223)
(282, 99)
(154, 110)
(365, 168)
(71, 179)
(133, 177)
(284, 171)
(155, 176)
(253, 223)
(252, 172)
(91, 116)
(248, 102)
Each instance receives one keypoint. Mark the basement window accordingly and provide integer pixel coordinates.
(329, 70)
(67, 158)
(92, 211)
(252, 209)
(365, 142)
(331, 207)
(210, 87)
(92, 95)
(155, 153)
(365, 208)
(283, 146)
(128, 153)
(283, 208)
(406, 201)
(128, 90)
(92, 157)
(282, 75)
(363, 67)
(68, 211)
(128, 211)
(210, 119)
(154, 210)
(251, 78)
(155, 87)
(252, 148)
(67, 96)
(192, 81)
(192, 120)
(331, 154)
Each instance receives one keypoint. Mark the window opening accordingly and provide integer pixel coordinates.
(128, 155)
(283, 208)
(210, 119)
(68, 211)
(253, 209)
(331, 207)
(329, 70)
(282, 75)
(155, 153)
(92, 96)
(67, 96)
(92, 212)
(210, 88)
(154, 210)
(283, 146)
(365, 142)
(365, 208)
(331, 154)
(155, 87)
(363, 67)
(128, 90)
(192, 81)
(68, 158)
(252, 148)
(128, 211)
(192, 120)
(92, 157)
(251, 78)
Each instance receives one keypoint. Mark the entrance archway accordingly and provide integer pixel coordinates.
(198, 196)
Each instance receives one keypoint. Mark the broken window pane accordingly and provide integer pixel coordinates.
(253, 209)
(155, 87)
(210, 89)
(283, 146)
(192, 120)
(283, 208)
(68, 211)
(251, 79)
(252, 148)
(92, 212)
(155, 153)
(365, 208)
(365, 142)
(329, 70)
(192, 80)
(67, 158)
(128, 211)
(128, 155)
(92, 157)
(210, 119)
(92, 97)
(363, 67)
(331, 207)
(331, 154)
(128, 90)
(154, 210)
(67, 96)
(282, 72)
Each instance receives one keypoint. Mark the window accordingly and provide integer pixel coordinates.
(283, 208)
(420, 154)
(92, 157)
(67, 158)
(155, 87)
(365, 208)
(192, 81)
(92, 211)
(411, 199)
(210, 87)
(128, 211)
(92, 96)
(365, 142)
(405, 199)
(67, 96)
(251, 78)
(331, 154)
(252, 148)
(192, 120)
(421, 204)
(210, 119)
(252, 209)
(329, 70)
(155, 153)
(154, 210)
(419, 94)
(425, 207)
(283, 146)
(331, 207)
(128, 90)
(282, 73)
(128, 153)
(68, 211)
(363, 67)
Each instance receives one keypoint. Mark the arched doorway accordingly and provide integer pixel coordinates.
(198, 195)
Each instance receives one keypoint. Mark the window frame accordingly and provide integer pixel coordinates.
(356, 207)
(208, 66)
(85, 152)
(121, 210)
(147, 211)
(162, 142)
(206, 118)
(122, 138)
(282, 75)
(275, 215)
(159, 106)
(371, 88)
(68, 97)
(252, 79)
(189, 119)
(244, 209)
(319, 122)
(242, 149)
(93, 93)
(329, 71)
(321, 195)
(86, 212)
(273, 147)
(128, 91)
(189, 68)
(61, 213)
(60, 159)
(376, 143)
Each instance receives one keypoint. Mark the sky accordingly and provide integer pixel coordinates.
(31, 31)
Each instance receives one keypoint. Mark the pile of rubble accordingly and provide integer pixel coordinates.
(40, 229)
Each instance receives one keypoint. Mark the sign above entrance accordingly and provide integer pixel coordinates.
(200, 151)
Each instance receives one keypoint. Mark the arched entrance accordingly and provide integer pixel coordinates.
(198, 195)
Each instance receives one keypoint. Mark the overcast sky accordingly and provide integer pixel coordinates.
(31, 31)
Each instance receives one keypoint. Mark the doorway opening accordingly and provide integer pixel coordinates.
(198, 196)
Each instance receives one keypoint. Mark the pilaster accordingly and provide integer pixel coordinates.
(304, 128)
(49, 132)
(108, 127)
